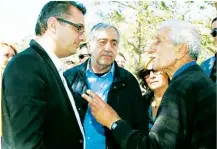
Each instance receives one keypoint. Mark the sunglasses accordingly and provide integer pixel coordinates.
(79, 27)
(214, 32)
(147, 73)
(81, 56)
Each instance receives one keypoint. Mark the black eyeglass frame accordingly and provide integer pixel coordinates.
(147, 72)
(214, 32)
(79, 27)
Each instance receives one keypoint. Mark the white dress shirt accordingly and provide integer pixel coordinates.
(59, 66)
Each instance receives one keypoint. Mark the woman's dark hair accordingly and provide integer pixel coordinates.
(55, 9)
(140, 73)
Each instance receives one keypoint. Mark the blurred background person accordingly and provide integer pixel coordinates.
(214, 30)
(120, 59)
(209, 65)
(84, 53)
(7, 51)
(70, 64)
(155, 82)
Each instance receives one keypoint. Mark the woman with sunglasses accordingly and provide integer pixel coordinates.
(155, 82)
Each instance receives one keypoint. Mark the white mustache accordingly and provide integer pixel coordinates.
(107, 54)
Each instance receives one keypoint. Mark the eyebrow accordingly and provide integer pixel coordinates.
(108, 39)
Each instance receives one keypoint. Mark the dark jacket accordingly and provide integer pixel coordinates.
(37, 113)
(209, 67)
(186, 117)
(124, 96)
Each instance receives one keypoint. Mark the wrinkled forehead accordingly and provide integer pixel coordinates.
(108, 33)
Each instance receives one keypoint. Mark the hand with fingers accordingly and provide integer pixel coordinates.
(102, 112)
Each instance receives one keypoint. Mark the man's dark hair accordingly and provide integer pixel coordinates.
(55, 9)
(215, 19)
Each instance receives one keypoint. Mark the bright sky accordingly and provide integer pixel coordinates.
(18, 18)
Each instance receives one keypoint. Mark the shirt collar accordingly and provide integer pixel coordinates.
(112, 69)
(57, 62)
(184, 67)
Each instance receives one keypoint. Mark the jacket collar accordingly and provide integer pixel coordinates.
(117, 73)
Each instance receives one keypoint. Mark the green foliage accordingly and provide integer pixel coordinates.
(140, 24)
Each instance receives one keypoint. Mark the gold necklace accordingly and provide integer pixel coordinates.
(155, 104)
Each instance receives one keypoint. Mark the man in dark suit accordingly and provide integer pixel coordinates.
(186, 117)
(38, 109)
(209, 65)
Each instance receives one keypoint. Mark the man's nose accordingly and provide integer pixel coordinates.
(82, 37)
(151, 49)
(108, 47)
(152, 75)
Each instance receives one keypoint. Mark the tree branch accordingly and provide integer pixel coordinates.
(129, 6)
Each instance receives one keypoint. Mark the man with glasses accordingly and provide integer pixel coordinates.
(209, 65)
(186, 117)
(38, 108)
(115, 85)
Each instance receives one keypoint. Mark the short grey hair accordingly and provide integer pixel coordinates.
(102, 26)
(184, 32)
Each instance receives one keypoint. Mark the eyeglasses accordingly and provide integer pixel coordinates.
(214, 32)
(147, 73)
(79, 27)
(81, 56)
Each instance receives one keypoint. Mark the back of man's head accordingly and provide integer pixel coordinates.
(184, 32)
(55, 9)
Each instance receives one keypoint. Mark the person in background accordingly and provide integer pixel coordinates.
(7, 51)
(186, 117)
(120, 59)
(155, 82)
(209, 65)
(39, 111)
(70, 64)
(115, 85)
(84, 53)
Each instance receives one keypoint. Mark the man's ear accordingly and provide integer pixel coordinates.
(182, 50)
(52, 24)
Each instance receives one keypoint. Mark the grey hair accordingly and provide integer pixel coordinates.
(102, 26)
(184, 32)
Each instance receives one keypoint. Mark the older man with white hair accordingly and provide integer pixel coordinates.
(187, 114)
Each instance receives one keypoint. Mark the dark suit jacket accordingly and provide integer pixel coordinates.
(208, 64)
(209, 67)
(186, 117)
(37, 113)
